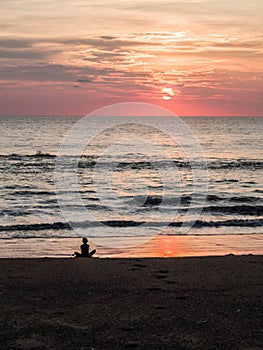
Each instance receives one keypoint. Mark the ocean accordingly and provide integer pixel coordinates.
(129, 196)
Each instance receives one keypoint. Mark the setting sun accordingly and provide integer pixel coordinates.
(169, 93)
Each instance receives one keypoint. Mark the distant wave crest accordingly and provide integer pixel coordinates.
(88, 161)
(129, 223)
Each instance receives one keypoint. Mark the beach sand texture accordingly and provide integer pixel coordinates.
(144, 303)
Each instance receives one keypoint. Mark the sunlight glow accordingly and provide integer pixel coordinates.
(166, 98)
(169, 93)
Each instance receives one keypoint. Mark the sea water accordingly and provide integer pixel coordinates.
(131, 202)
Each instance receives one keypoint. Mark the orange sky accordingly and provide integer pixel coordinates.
(194, 57)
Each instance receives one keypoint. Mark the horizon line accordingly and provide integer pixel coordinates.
(180, 116)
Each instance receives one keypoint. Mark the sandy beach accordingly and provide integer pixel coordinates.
(143, 303)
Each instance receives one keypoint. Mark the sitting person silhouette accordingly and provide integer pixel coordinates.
(85, 253)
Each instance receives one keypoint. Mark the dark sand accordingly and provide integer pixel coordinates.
(179, 303)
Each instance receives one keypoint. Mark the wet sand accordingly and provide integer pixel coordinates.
(159, 246)
(144, 303)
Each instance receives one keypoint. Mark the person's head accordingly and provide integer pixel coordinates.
(84, 240)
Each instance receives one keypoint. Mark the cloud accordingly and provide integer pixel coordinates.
(19, 48)
(133, 64)
(49, 72)
(134, 45)
(107, 37)
(16, 43)
(24, 54)
(83, 80)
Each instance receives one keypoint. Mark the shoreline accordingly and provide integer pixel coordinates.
(160, 246)
(148, 303)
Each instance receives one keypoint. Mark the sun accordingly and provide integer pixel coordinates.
(168, 93)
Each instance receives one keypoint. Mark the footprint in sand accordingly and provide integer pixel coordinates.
(182, 297)
(160, 274)
(132, 344)
(170, 282)
(163, 271)
(127, 328)
(161, 277)
(154, 289)
(139, 265)
(159, 307)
